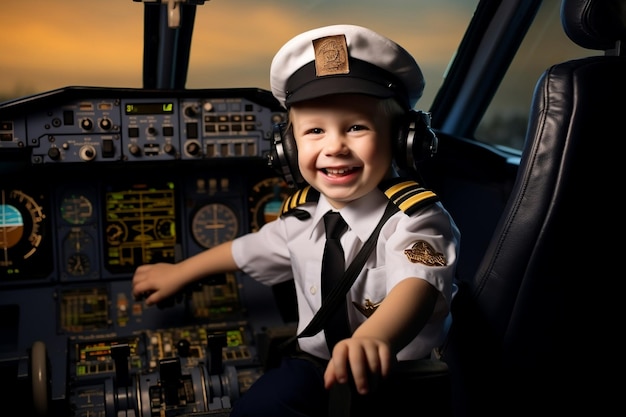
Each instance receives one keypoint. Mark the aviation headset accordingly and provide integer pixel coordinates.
(415, 142)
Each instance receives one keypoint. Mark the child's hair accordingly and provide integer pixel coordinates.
(390, 108)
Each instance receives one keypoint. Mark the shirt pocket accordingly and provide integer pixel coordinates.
(370, 292)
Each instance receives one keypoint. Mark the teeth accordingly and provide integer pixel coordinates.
(337, 171)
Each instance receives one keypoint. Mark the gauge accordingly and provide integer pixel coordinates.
(76, 209)
(116, 233)
(24, 245)
(214, 223)
(78, 241)
(166, 228)
(78, 264)
(266, 199)
(78, 246)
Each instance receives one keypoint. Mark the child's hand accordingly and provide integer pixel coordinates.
(155, 282)
(366, 359)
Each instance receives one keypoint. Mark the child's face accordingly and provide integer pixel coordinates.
(344, 149)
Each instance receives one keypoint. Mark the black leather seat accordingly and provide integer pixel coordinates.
(534, 330)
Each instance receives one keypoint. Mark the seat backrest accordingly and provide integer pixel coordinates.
(529, 330)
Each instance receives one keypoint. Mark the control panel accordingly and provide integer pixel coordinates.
(97, 181)
(104, 125)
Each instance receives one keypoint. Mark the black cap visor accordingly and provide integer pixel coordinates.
(364, 78)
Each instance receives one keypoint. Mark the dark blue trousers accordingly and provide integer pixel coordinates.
(294, 389)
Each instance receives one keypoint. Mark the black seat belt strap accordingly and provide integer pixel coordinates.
(339, 292)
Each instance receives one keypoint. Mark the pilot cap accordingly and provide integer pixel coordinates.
(344, 59)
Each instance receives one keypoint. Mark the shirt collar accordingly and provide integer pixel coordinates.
(361, 215)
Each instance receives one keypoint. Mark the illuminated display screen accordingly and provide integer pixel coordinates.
(218, 300)
(140, 226)
(25, 243)
(100, 350)
(149, 108)
(82, 310)
(94, 358)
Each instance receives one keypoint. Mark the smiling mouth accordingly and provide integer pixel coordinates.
(338, 172)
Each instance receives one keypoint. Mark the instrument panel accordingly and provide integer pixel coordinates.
(95, 182)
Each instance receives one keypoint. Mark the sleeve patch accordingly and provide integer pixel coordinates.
(422, 252)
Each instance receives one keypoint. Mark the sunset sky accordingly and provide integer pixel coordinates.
(52, 44)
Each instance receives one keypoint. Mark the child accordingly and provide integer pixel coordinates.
(349, 92)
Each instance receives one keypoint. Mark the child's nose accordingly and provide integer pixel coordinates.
(335, 143)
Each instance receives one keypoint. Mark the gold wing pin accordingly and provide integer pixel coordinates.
(422, 252)
(366, 309)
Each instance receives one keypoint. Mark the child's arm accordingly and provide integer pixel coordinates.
(373, 346)
(162, 280)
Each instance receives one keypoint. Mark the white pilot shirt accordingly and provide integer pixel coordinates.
(291, 248)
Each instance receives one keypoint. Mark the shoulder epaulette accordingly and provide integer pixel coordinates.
(307, 194)
(407, 194)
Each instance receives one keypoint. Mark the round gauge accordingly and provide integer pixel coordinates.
(266, 199)
(76, 209)
(214, 223)
(78, 264)
(166, 228)
(24, 248)
(77, 246)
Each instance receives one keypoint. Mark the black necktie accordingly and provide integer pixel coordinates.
(333, 267)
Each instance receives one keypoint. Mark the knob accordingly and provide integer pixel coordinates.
(87, 153)
(134, 150)
(105, 124)
(54, 154)
(86, 124)
(192, 111)
(183, 347)
(193, 148)
(169, 149)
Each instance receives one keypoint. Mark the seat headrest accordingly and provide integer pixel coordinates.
(595, 24)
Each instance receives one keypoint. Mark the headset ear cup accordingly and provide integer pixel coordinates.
(399, 151)
(284, 156)
(416, 141)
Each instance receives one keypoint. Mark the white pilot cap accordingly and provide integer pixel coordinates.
(344, 59)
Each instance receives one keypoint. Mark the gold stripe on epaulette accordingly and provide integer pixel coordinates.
(409, 196)
(298, 198)
(416, 199)
(397, 188)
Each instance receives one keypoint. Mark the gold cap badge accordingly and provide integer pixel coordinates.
(331, 55)
(422, 252)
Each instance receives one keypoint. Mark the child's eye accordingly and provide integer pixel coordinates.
(356, 128)
(314, 131)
